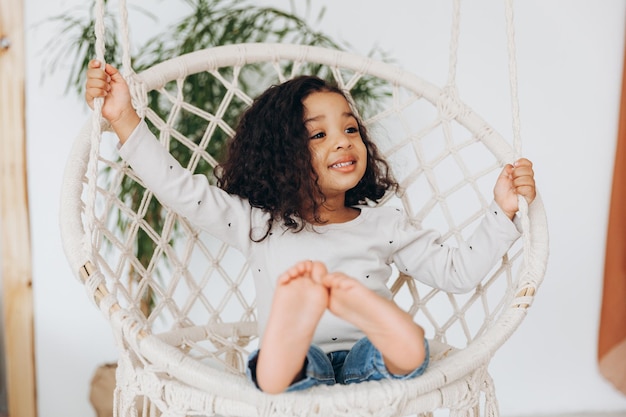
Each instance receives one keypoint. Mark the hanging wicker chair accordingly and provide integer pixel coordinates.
(184, 318)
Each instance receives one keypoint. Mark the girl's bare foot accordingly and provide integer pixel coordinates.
(390, 329)
(298, 304)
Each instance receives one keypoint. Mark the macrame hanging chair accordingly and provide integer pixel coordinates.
(184, 319)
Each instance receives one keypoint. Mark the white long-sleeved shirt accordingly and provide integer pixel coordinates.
(364, 248)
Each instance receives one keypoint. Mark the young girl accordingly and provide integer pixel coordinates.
(291, 197)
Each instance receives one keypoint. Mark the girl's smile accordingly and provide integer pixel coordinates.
(346, 166)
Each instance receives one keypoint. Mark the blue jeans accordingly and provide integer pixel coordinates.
(361, 363)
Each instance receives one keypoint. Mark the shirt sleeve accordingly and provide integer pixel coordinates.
(227, 217)
(423, 255)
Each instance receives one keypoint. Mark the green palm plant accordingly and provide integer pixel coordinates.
(209, 23)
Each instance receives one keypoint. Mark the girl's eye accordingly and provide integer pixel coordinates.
(352, 130)
(318, 135)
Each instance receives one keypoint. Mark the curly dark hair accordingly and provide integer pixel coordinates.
(269, 163)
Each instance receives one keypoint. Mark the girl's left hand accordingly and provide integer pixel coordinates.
(514, 180)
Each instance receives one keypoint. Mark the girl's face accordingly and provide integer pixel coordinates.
(339, 156)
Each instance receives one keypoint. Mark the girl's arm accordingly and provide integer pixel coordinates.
(205, 206)
(117, 108)
(458, 269)
(227, 217)
(420, 253)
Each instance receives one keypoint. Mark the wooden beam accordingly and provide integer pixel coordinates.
(15, 258)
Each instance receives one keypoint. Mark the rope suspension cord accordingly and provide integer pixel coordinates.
(92, 168)
(510, 36)
(454, 43)
(92, 277)
(517, 137)
(512, 62)
(451, 87)
(97, 120)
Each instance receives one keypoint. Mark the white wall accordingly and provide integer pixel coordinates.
(570, 62)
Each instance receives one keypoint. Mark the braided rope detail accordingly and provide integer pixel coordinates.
(92, 167)
(517, 138)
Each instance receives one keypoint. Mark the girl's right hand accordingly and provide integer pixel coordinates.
(117, 107)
